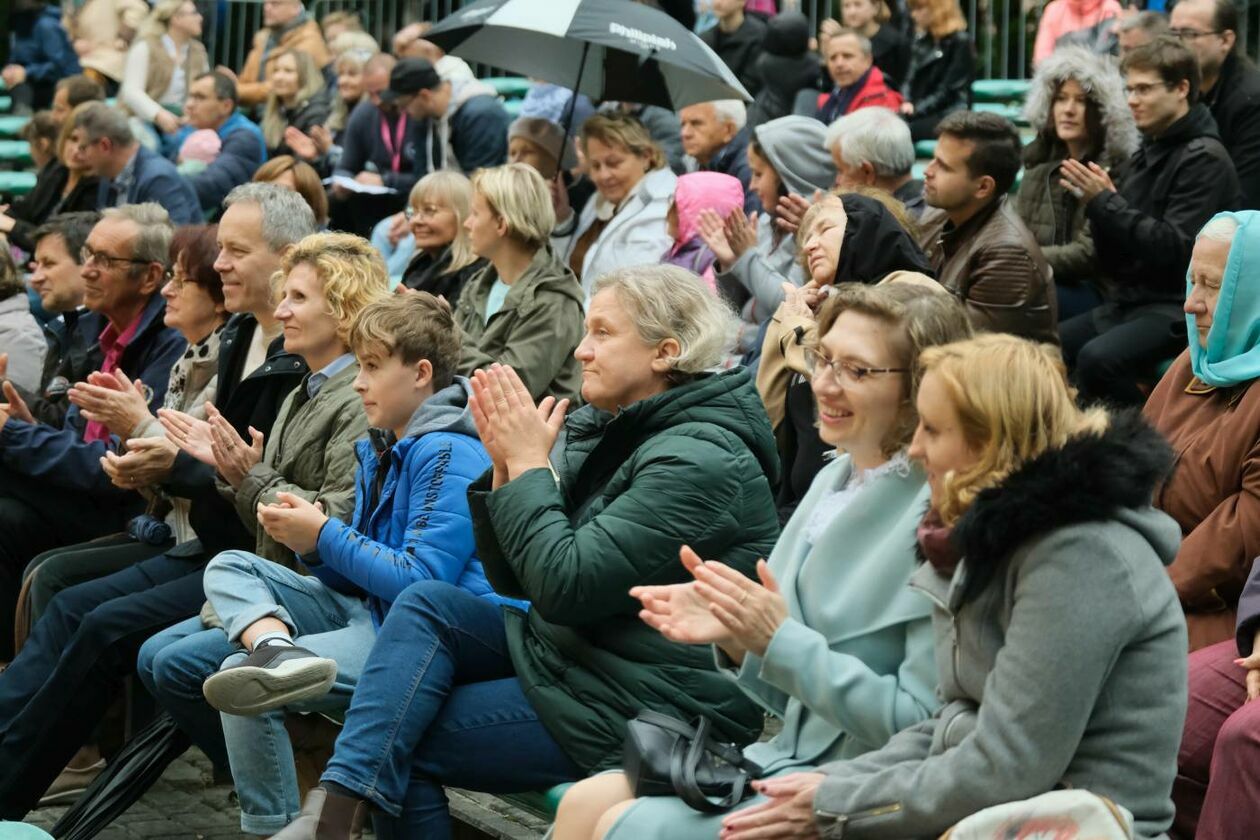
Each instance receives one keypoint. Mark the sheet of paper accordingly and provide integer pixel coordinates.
(355, 187)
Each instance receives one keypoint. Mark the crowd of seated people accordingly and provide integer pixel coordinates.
(330, 384)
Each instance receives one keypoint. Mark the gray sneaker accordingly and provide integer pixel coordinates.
(273, 675)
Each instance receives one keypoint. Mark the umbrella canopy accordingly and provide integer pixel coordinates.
(609, 49)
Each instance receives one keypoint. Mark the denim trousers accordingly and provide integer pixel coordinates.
(438, 703)
(73, 665)
(244, 588)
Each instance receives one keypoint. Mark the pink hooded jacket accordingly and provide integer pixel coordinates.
(1059, 17)
(695, 192)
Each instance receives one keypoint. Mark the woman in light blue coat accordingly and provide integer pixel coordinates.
(831, 640)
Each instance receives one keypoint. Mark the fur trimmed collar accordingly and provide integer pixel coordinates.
(1083, 481)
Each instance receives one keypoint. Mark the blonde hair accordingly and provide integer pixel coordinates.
(946, 17)
(352, 50)
(414, 326)
(618, 129)
(310, 84)
(455, 192)
(916, 318)
(1013, 403)
(309, 184)
(158, 20)
(518, 195)
(352, 272)
(665, 301)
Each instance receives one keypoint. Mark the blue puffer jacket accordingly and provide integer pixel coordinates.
(420, 528)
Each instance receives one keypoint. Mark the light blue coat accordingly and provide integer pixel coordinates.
(853, 664)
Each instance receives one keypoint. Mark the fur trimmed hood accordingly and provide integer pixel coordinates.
(1102, 82)
(1090, 478)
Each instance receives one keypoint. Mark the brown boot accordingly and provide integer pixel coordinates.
(326, 816)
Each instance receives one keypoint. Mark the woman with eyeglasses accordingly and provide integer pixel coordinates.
(443, 258)
(831, 640)
(851, 238)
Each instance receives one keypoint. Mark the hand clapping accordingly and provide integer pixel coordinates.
(293, 521)
(518, 436)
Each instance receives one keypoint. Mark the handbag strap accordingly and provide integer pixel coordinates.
(685, 759)
(731, 755)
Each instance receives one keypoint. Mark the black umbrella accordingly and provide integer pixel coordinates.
(133, 771)
(606, 49)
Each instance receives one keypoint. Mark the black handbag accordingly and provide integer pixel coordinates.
(667, 757)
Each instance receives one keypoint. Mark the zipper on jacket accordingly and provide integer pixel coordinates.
(953, 620)
(845, 819)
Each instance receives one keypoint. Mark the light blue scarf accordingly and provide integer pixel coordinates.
(1232, 355)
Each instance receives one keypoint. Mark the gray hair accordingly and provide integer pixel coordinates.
(876, 136)
(286, 217)
(1219, 229)
(666, 301)
(864, 43)
(98, 121)
(153, 242)
(1151, 22)
(731, 111)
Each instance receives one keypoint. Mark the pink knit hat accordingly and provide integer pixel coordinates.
(202, 145)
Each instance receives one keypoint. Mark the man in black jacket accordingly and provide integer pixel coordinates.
(737, 40)
(1144, 230)
(87, 641)
(1230, 83)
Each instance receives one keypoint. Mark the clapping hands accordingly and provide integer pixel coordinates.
(517, 435)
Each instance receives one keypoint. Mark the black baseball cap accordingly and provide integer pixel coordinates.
(410, 76)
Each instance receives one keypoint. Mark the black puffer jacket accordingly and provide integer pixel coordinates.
(785, 67)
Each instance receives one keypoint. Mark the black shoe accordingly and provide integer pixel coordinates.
(274, 675)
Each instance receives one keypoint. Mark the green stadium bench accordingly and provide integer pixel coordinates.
(925, 149)
(999, 90)
(540, 803)
(513, 107)
(1013, 112)
(6, 103)
(16, 183)
(10, 125)
(15, 152)
(509, 87)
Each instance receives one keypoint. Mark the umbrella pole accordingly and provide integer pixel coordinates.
(568, 110)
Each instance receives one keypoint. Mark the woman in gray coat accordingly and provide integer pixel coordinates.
(1060, 645)
(1079, 110)
(21, 337)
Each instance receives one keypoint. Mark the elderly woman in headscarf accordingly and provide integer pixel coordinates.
(1207, 409)
(1079, 110)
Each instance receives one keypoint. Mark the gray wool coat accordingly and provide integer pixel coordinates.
(1067, 669)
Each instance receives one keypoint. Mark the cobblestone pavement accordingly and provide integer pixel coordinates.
(184, 805)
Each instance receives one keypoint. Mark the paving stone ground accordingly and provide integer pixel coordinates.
(185, 804)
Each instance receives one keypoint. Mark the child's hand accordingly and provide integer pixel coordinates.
(292, 521)
(713, 232)
(741, 231)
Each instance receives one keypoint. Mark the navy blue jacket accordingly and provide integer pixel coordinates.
(732, 159)
(157, 180)
(58, 456)
(479, 130)
(362, 144)
(40, 44)
(417, 525)
(242, 153)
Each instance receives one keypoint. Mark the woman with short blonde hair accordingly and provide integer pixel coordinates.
(524, 309)
(350, 269)
(443, 260)
(1040, 539)
(624, 222)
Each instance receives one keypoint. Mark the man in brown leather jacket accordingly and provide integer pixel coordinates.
(979, 247)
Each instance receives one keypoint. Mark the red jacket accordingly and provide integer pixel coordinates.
(874, 94)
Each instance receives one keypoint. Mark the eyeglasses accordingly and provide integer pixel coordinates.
(1141, 91)
(428, 211)
(846, 373)
(87, 257)
(1193, 34)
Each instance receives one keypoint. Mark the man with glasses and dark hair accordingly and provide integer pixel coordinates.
(1230, 83)
(1144, 229)
(53, 490)
(211, 104)
(130, 174)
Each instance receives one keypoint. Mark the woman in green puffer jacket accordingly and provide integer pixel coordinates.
(575, 512)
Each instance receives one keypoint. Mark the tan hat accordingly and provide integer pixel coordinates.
(546, 135)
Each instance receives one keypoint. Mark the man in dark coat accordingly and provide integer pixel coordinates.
(212, 104)
(1230, 84)
(1144, 229)
(715, 139)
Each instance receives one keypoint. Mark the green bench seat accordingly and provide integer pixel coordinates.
(509, 87)
(16, 183)
(6, 103)
(920, 167)
(15, 152)
(1013, 112)
(10, 125)
(999, 90)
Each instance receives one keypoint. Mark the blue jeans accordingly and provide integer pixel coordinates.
(244, 588)
(439, 703)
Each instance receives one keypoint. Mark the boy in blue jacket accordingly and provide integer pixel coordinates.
(304, 640)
